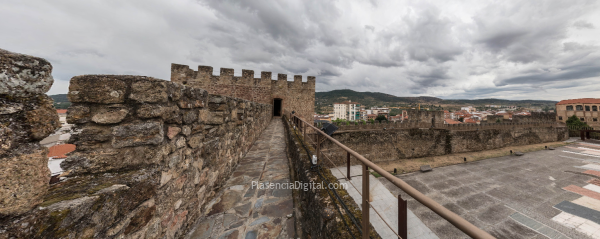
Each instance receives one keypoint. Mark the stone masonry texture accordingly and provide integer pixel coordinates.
(405, 143)
(150, 155)
(296, 95)
(27, 115)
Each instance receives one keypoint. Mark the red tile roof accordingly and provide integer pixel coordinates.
(471, 121)
(60, 151)
(451, 121)
(61, 111)
(579, 101)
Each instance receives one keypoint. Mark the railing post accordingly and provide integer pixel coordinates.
(348, 163)
(365, 202)
(402, 217)
(318, 146)
(303, 130)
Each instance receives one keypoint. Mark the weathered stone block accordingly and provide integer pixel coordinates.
(103, 89)
(78, 114)
(195, 141)
(110, 115)
(211, 118)
(149, 90)
(103, 160)
(190, 116)
(168, 113)
(91, 136)
(172, 132)
(24, 181)
(24, 76)
(43, 120)
(6, 140)
(7, 107)
(138, 133)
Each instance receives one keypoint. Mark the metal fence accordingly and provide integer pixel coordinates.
(317, 137)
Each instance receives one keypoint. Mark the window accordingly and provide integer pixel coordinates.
(595, 119)
(582, 119)
(569, 107)
(594, 108)
(579, 107)
(587, 108)
(559, 117)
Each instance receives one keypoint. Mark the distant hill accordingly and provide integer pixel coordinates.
(324, 101)
(61, 101)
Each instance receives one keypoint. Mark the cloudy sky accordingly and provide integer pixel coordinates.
(470, 49)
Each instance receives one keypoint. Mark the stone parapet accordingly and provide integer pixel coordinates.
(27, 116)
(150, 154)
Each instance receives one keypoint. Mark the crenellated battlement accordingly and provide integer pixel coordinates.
(295, 94)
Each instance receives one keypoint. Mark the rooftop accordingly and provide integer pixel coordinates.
(579, 101)
(60, 151)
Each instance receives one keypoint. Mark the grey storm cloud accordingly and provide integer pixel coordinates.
(467, 49)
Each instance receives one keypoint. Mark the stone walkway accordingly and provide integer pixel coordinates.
(247, 210)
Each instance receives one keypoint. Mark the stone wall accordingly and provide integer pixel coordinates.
(422, 116)
(407, 125)
(27, 116)
(395, 144)
(535, 117)
(150, 154)
(316, 208)
(295, 95)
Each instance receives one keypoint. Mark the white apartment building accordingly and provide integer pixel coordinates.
(347, 110)
(468, 109)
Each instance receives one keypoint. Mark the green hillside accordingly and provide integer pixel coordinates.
(325, 100)
(61, 101)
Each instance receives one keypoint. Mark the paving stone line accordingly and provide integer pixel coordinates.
(537, 226)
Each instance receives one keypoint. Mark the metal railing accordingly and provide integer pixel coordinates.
(448, 215)
(585, 132)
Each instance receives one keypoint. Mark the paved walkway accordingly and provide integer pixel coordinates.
(244, 209)
(385, 203)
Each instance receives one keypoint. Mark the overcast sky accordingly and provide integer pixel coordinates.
(471, 49)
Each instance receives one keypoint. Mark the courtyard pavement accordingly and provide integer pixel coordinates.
(543, 194)
(242, 210)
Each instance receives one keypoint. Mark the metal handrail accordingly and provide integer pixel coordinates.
(459, 222)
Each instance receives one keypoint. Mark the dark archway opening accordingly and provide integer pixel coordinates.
(277, 107)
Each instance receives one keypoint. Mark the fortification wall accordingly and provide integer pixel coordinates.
(422, 116)
(27, 116)
(295, 95)
(407, 124)
(395, 144)
(150, 155)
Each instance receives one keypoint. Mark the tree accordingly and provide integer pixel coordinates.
(574, 122)
(371, 121)
(498, 120)
(380, 118)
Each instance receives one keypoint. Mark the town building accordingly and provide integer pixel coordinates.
(585, 109)
(346, 110)
(321, 118)
(468, 109)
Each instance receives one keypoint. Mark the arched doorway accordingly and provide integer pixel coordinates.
(277, 107)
